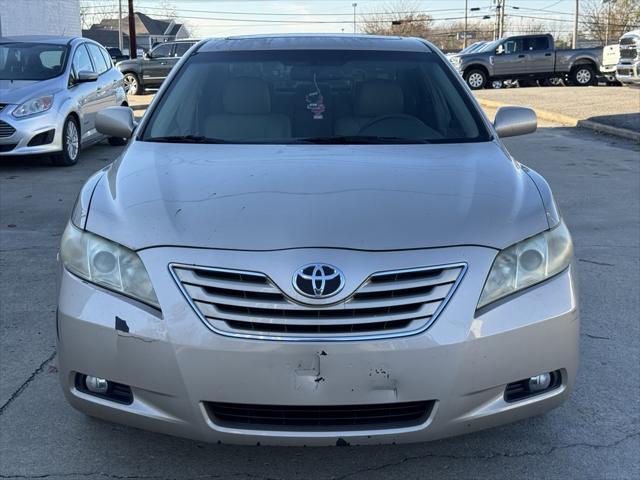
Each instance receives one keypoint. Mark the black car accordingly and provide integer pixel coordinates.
(151, 70)
(116, 55)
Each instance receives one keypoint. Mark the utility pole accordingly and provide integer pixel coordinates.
(502, 15)
(466, 9)
(354, 5)
(575, 24)
(133, 47)
(606, 36)
(120, 45)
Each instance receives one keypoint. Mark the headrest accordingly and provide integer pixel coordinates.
(378, 97)
(246, 96)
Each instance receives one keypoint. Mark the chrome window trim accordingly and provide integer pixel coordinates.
(323, 339)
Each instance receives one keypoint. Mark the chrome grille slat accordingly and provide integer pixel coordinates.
(193, 278)
(281, 303)
(251, 305)
(446, 276)
(325, 316)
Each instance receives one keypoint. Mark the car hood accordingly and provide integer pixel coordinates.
(15, 92)
(268, 197)
(128, 63)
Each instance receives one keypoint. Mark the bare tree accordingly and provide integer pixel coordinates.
(92, 13)
(606, 21)
(397, 18)
(167, 9)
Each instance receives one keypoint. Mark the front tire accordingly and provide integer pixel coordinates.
(132, 84)
(476, 79)
(70, 144)
(583, 76)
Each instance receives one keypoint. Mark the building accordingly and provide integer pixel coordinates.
(40, 17)
(149, 31)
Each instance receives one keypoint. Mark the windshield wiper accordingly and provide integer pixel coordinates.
(359, 140)
(186, 139)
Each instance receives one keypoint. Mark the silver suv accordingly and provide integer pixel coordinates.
(316, 240)
(50, 91)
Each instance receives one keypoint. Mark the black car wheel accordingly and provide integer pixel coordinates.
(583, 76)
(132, 84)
(476, 79)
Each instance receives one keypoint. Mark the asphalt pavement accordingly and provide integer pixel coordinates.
(596, 434)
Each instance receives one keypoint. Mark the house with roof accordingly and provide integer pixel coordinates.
(149, 31)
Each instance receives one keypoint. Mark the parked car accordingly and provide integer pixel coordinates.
(316, 240)
(116, 55)
(528, 58)
(154, 66)
(51, 89)
(628, 69)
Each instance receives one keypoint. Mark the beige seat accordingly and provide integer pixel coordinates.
(246, 116)
(373, 99)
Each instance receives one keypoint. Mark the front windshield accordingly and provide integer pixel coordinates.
(315, 96)
(473, 47)
(488, 47)
(31, 61)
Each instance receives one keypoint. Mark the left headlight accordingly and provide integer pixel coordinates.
(528, 262)
(35, 105)
(107, 264)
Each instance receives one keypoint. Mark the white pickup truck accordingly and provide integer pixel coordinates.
(628, 69)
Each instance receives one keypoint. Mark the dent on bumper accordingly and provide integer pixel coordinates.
(172, 373)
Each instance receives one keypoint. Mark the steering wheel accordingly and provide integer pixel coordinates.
(396, 125)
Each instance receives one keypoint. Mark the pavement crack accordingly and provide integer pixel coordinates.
(489, 456)
(25, 384)
(593, 262)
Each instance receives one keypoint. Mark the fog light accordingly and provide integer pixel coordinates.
(96, 384)
(539, 382)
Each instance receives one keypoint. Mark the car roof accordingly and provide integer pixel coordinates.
(316, 41)
(55, 40)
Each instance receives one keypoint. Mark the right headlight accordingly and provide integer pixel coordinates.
(528, 262)
(106, 263)
(33, 106)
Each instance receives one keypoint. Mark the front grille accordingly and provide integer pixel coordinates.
(6, 130)
(249, 304)
(303, 417)
(628, 53)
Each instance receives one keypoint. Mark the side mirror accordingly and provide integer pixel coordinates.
(115, 122)
(147, 55)
(514, 121)
(86, 76)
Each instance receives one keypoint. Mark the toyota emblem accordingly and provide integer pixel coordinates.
(318, 280)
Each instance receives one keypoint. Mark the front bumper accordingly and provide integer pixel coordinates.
(174, 363)
(26, 129)
(628, 73)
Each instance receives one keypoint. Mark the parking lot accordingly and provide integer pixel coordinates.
(596, 434)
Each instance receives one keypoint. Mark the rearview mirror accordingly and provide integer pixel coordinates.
(115, 122)
(86, 76)
(513, 121)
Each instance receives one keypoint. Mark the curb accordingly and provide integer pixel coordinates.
(572, 122)
(139, 107)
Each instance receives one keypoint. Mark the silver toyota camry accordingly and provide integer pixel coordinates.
(51, 89)
(316, 240)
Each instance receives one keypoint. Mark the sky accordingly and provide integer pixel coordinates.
(239, 17)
